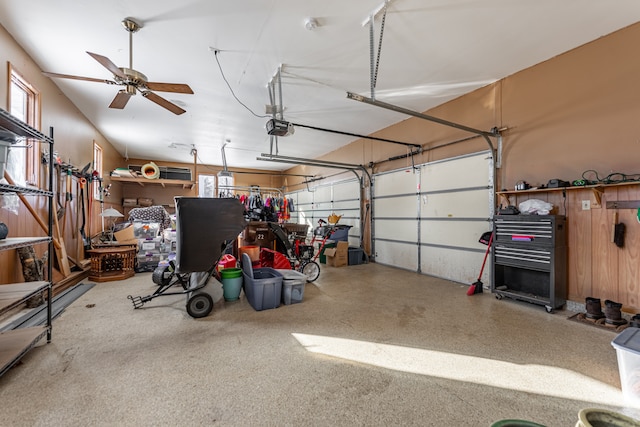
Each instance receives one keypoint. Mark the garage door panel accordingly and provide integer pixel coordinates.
(396, 183)
(305, 197)
(452, 264)
(397, 230)
(322, 194)
(400, 255)
(466, 204)
(400, 207)
(346, 190)
(346, 206)
(468, 171)
(453, 233)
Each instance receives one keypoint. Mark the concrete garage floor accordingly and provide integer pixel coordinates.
(369, 345)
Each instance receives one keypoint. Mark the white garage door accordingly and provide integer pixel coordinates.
(429, 219)
(341, 198)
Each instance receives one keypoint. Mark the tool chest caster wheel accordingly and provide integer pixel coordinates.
(498, 296)
(199, 305)
(548, 308)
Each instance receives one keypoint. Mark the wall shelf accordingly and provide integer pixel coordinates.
(596, 189)
(11, 295)
(163, 182)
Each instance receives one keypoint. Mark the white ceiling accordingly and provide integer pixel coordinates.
(432, 51)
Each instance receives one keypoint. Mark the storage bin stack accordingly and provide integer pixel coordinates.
(152, 248)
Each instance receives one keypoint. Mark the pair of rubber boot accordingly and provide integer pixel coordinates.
(612, 311)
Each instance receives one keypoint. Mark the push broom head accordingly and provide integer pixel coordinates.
(475, 288)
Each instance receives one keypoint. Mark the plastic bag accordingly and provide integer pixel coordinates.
(9, 201)
(535, 207)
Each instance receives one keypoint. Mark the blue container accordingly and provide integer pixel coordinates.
(262, 286)
(292, 286)
(356, 256)
(341, 233)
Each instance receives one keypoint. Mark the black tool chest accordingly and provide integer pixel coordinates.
(530, 259)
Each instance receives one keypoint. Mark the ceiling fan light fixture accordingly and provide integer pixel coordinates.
(131, 25)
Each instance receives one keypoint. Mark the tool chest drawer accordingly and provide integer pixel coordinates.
(533, 230)
(534, 258)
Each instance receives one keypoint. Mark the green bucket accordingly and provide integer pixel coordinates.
(231, 283)
(516, 423)
(231, 273)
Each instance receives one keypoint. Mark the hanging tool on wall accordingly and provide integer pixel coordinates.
(68, 194)
(85, 241)
(617, 235)
(59, 186)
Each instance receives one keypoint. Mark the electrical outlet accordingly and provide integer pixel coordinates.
(586, 205)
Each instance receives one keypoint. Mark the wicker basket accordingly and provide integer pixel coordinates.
(112, 263)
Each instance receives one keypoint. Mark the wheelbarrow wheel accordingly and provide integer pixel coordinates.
(199, 305)
(310, 269)
(162, 275)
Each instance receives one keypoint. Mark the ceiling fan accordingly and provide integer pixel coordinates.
(132, 80)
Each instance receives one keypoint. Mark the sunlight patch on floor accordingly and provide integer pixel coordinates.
(539, 379)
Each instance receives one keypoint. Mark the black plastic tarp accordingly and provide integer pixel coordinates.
(204, 226)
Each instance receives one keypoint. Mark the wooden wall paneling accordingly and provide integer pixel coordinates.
(604, 253)
(579, 251)
(629, 255)
(559, 201)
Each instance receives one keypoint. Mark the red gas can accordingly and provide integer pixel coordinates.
(227, 261)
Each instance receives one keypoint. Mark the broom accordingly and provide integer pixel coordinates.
(476, 287)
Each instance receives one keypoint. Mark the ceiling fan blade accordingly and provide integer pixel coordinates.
(68, 76)
(106, 63)
(121, 99)
(163, 102)
(169, 87)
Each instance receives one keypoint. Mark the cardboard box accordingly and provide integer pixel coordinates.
(338, 256)
(145, 202)
(125, 236)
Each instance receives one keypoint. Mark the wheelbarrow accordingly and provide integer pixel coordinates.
(205, 229)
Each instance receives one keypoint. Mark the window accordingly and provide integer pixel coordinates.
(225, 184)
(24, 103)
(97, 168)
(206, 185)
